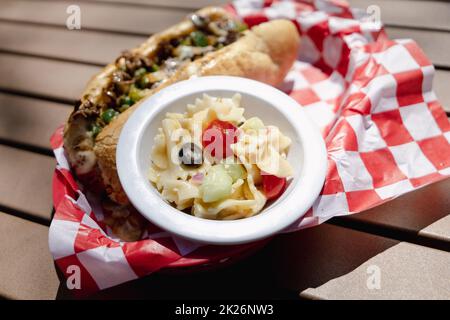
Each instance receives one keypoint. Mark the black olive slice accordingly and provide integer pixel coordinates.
(191, 155)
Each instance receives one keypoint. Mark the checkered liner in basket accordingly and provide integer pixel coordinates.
(386, 134)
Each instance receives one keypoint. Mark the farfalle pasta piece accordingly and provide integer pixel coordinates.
(264, 146)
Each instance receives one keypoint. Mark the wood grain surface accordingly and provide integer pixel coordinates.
(45, 67)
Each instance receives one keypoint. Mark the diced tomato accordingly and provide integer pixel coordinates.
(273, 186)
(218, 137)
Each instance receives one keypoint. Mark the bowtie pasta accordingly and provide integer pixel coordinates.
(214, 163)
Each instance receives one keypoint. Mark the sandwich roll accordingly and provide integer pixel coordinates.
(259, 55)
(209, 42)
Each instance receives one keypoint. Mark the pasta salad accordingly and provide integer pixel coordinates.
(213, 163)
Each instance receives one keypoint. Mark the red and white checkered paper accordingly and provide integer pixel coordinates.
(386, 135)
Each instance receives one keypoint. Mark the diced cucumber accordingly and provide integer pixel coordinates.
(254, 123)
(216, 184)
(235, 171)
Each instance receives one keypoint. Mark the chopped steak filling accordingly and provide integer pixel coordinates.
(136, 74)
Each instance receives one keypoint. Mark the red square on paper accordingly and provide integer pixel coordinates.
(304, 96)
(149, 255)
(343, 137)
(357, 103)
(409, 87)
(254, 19)
(390, 125)
(368, 71)
(382, 167)
(417, 54)
(379, 46)
(313, 75)
(362, 200)
(333, 183)
(324, 66)
(439, 116)
(429, 178)
(68, 211)
(342, 66)
(318, 33)
(335, 103)
(437, 150)
(91, 238)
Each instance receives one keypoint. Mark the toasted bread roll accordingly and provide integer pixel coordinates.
(264, 53)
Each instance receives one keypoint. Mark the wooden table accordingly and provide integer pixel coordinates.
(44, 67)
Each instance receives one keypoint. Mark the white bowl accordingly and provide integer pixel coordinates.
(307, 154)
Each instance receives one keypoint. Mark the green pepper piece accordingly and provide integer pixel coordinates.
(241, 26)
(125, 100)
(199, 39)
(108, 115)
(143, 82)
(136, 94)
(95, 129)
(186, 41)
(140, 72)
(154, 67)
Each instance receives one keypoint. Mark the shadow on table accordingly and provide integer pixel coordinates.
(409, 217)
(289, 264)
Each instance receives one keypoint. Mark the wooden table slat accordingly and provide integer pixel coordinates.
(150, 20)
(66, 81)
(77, 44)
(414, 212)
(441, 82)
(26, 266)
(176, 4)
(394, 12)
(30, 121)
(97, 16)
(415, 14)
(439, 229)
(25, 183)
(53, 79)
(54, 63)
(435, 44)
(61, 43)
(405, 271)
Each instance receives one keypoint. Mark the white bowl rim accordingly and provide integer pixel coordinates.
(280, 215)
